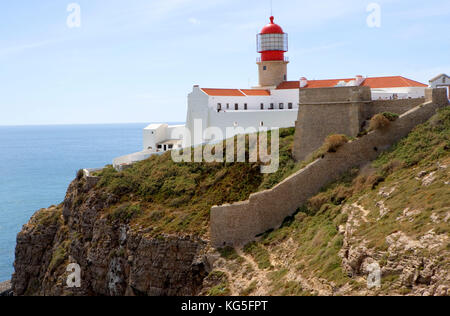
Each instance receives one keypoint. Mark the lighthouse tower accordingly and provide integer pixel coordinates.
(272, 43)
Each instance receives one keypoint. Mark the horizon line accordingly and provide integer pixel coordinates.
(87, 124)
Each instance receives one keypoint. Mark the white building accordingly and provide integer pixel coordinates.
(273, 104)
(441, 81)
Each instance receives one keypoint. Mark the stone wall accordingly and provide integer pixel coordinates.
(239, 223)
(328, 111)
(344, 110)
(272, 73)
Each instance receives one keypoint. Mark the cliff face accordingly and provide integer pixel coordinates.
(115, 259)
(138, 232)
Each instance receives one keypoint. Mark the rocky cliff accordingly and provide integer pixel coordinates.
(115, 259)
(144, 231)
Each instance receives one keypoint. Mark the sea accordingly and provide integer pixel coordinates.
(37, 163)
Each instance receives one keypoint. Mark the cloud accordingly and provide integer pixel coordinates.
(17, 49)
(318, 49)
(194, 21)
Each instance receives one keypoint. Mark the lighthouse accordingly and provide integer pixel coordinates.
(272, 43)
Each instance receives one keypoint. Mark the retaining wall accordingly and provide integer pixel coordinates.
(240, 223)
(393, 106)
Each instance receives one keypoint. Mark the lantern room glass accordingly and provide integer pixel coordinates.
(272, 42)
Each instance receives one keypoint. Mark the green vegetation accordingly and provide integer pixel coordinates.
(228, 253)
(126, 212)
(427, 143)
(260, 254)
(59, 256)
(250, 289)
(221, 288)
(391, 116)
(314, 229)
(177, 197)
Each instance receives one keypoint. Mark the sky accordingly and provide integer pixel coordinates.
(136, 60)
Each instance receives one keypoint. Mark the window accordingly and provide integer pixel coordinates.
(290, 106)
(285, 77)
(245, 106)
(261, 124)
(170, 146)
(281, 106)
(265, 68)
(219, 107)
(236, 106)
(228, 106)
(272, 106)
(262, 106)
(159, 146)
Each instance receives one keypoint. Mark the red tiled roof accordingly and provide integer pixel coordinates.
(235, 92)
(254, 92)
(223, 92)
(374, 83)
(289, 85)
(391, 82)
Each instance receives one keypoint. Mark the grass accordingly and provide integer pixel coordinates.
(260, 254)
(59, 256)
(250, 289)
(177, 197)
(221, 284)
(314, 229)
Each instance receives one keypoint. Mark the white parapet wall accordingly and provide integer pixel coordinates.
(128, 160)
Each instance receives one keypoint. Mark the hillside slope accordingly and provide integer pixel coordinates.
(394, 212)
(144, 231)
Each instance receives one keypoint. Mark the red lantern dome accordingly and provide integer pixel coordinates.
(272, 28)
(272, 42)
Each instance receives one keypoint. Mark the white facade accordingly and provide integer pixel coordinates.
(157, 138)
(398, 93)
(277, 110)
(441, 81)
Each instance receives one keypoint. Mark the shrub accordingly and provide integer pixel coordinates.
(333, 142)
(80, 174)
(125, 213)
(391, 116)
(379, 121)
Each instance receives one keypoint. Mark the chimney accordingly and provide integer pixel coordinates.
(359, 80)
(303, 82)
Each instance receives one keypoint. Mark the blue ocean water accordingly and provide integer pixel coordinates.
(37, 163)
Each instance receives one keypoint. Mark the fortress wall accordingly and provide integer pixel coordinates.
(339, 94)
(393, 106)
(240, 223)
(317, 121)
(328, 111)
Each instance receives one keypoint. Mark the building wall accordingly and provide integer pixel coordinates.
(268, 118)
(154, 134)
(239, 223)
(400, 93)
(275, 73)
(203, 107)
(442, 82)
